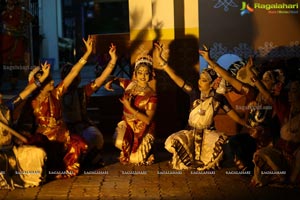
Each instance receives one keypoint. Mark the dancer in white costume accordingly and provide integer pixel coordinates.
(20, 165)
(200, 146)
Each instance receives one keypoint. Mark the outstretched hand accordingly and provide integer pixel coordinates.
(46, 71)
(249, 65)
(88, 44)
(113, 51)
(157, 54)
(205, 53)
(125, 101)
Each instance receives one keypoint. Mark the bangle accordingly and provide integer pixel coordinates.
(112, 64)
(253, 79)
(164, 63)
(82, 61)
(16, 100)
(184, 83)
(37, 82)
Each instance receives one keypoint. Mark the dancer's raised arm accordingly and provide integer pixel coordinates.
(221, 71)
(82, 61)
(163, 65)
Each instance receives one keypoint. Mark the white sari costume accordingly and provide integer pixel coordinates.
(200, 147)
(20, 166)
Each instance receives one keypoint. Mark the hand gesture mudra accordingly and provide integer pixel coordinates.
(249, 67)
(157, 54)
(205, 53)
(113, 51)
(46, 70)
(125, 100)
(89, 44)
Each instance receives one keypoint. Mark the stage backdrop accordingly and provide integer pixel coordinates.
(266, 29)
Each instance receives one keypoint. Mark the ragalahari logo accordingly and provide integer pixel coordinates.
(246, 8)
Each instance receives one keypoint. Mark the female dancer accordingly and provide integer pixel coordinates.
(199, 147)
(259, 112)
(134, 135)
(282, 160)
(74, 103)
(50, 125)
(21, 165)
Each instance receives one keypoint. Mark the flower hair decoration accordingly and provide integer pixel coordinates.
(144, 60)
(212, 75)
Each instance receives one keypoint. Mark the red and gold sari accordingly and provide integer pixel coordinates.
(49, 121)
(134, 137)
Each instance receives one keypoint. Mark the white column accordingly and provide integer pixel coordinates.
(140, 19)
(191, 17)
(163, 16)
(146, 15)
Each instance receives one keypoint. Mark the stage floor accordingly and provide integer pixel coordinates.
(158, 181)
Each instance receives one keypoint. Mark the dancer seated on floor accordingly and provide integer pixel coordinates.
(75, 113)
(134, 135)
(259, 110)
(64, 150)
(199, 147)
(21, 165)
(284, 157)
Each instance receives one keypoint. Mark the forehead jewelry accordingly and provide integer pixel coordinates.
(144, 59)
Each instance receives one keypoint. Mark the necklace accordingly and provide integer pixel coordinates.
(203, 98)
(139, 89)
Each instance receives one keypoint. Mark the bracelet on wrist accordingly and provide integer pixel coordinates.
(37, 82)
(111, 64)
(163, 64)
(82, 61)
(16, 100)
(184, 83)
